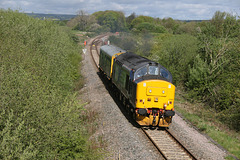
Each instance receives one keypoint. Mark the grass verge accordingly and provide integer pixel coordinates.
(206, 121)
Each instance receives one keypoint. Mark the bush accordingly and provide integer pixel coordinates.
(39, 65)
(214, 75)
(124, 41)
(150, 27)
(176, 53)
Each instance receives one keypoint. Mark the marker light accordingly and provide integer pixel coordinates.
(165, 105)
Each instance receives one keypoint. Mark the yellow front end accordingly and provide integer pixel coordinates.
(154, 103)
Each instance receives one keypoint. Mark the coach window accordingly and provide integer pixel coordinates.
(127, 82)
(116, 72)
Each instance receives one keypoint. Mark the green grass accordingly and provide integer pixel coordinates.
(205, 120)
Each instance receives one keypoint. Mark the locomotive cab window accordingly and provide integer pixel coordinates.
(150, 70)
(164, 73)
(140, 72)
(153, 70)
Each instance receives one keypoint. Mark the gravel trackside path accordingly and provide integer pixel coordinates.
(201, 146)
(124, 140)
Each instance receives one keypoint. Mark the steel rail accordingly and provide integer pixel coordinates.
(91, 52)
(95, 42)
(168, 146)
(182, 146)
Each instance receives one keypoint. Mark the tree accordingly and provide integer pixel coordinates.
(217, 21)
(214, 75)
(111, 19)
(150, 27)
(82, 21)
(176, 53)
(171, 25)
(224, 25)
(130, 18)
(141, 19)
(188, 28)
(82, 18)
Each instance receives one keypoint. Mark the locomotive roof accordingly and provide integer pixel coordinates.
(133, 61)
(111, 49)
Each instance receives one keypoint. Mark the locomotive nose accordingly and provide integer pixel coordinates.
(155, 103)
(157, 91)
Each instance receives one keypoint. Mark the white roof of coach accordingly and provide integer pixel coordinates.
(111, 50)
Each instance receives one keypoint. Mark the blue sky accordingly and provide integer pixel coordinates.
(176, 9)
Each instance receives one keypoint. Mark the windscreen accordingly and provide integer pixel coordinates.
(153, 70)
(165, 74)
(140, 72)
(156, 70)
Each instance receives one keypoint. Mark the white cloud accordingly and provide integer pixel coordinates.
(177, 9)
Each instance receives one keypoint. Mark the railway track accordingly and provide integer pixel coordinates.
(168, 146)
(94, 48)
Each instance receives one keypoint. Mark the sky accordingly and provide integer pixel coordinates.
(176, 9)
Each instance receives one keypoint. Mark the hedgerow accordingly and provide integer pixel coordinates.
(40, 117)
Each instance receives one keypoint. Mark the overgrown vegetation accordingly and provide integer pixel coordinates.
(40, 117)
(205, 120)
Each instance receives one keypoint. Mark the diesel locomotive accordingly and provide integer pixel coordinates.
(144, 86)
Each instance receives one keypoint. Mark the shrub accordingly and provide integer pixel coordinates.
(176, 53)
(39, 65)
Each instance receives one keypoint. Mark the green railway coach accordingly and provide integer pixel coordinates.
(107, 55)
